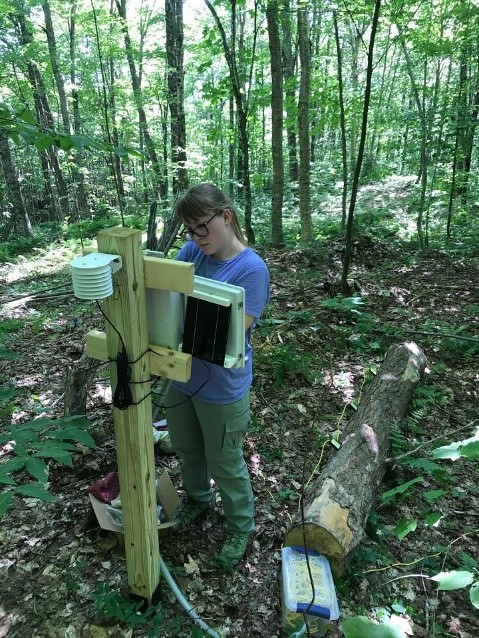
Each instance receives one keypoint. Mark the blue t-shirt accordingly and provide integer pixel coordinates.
(209, 382)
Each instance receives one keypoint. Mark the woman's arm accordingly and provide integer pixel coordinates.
(248, 320)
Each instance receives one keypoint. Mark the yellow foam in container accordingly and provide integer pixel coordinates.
(319, 604)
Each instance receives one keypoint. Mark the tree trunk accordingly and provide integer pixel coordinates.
(289, 59)
(43, 112)
(231, 148)
(276, 124)
(338, 502)
(170, 230)
(362, 141)
(19, 219)
(242, 115)
(81, 196)
(78, 379)
(137, 92)
(57, 74)
(342, 123)
(151, 238)
(306, 232)
(176, 79)
(424, 145)
(111, 112)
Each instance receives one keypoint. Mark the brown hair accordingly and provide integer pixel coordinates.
(203, 200)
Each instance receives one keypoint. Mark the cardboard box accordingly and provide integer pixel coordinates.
(166, 496)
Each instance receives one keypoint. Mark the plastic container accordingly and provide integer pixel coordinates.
(298, 594)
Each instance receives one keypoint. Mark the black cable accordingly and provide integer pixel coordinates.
(122, 397)
(190, 396)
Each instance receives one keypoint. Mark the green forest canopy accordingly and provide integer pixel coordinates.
(107, 107)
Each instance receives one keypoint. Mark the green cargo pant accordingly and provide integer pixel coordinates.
(208, 438)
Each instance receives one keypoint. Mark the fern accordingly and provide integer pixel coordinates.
(414, 418)
(399, 443)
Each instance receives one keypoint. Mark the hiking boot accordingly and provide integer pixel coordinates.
(233, 550)
(188, 511)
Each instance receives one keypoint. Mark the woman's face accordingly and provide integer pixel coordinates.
(210, 232)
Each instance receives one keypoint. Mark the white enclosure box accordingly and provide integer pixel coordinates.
(165, 316)
(208, 323)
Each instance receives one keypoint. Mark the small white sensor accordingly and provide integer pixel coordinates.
(92, 275)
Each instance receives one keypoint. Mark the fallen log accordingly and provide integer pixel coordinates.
(337, 504)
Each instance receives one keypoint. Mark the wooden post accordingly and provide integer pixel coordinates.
(126, 309)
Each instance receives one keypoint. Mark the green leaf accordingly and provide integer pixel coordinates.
(433, 519)
(453, 580)
(58, 451)
(433, 495)
(7, 393)
(43, 142)
(346, 303)
(8, 354)
(404, 527)
(471, 450)
(35, 490)
(27, 116)
(135, 153)
(447, 452)
(25, 438)
(388, 496)
(362, 627)
(6, 480)
(6, 499)
(474, 595)
(57, 455)
(121, 151)
(37, 468)
(75, 434)
(34, 424)
(13, 465)
(65, 142)
(467, 447)
(423, 464)
(79, 420)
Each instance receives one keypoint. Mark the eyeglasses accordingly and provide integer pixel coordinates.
(198, 231)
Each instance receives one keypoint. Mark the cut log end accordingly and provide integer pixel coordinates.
(315, 536)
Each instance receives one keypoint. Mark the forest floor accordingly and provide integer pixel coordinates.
(61, 578)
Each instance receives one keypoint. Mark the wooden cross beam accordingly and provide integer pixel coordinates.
(126, 310)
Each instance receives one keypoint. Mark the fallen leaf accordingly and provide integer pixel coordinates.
(191, 567)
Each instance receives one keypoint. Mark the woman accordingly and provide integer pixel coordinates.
(208, 416)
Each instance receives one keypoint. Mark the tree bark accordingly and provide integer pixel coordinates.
(57, 74)
(78, 379)
(241, 113)
(49, 156)
(81, 195)
(345, 289)
(137, 92)
(176, 80)
(19, 219)
(424, 167)
(276, 124)
(306, 232)
(338, 503)
(289, 76)
(342, 123)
